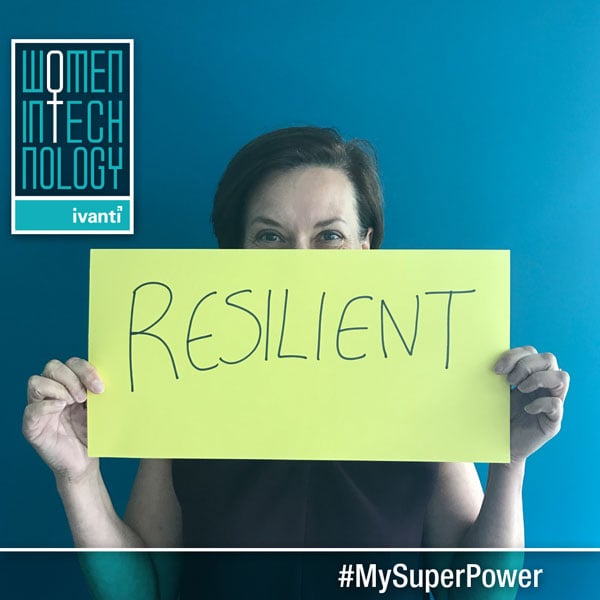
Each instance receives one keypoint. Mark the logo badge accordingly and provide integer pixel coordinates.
(72, 136)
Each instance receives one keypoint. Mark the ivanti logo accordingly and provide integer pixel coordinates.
(103, 216)
(72, 136)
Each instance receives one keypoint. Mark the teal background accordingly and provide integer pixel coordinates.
(486, 117)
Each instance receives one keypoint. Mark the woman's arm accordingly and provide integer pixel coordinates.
(55, 423)
(153, 520)
(459, 515)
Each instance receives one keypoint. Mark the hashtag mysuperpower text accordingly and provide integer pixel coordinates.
(400, 576)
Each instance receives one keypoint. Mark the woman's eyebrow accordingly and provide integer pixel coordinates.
(274, 223)
(327, 222)
(265, 221)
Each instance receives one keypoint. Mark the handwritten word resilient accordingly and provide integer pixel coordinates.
(234, 301)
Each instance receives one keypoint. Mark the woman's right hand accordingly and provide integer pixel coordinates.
(55, 420)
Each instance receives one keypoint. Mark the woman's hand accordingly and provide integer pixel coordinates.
(536, 400)
(55, 420)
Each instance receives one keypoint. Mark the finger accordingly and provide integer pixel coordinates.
(41, 409)
(556, 382)
(32, 415)
(34, 412)
(550, 406)
(41, 388)
(87, 374)
(531, 364)
(62, 374)
(509, 359)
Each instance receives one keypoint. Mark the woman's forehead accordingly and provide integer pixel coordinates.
(308, 193)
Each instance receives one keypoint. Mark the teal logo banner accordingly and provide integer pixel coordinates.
(72, 136)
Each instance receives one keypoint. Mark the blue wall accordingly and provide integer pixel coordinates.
(486, 118)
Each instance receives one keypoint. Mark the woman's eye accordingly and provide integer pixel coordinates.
(331, 236)
(269, 236)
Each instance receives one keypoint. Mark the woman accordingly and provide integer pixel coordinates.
(293, 188)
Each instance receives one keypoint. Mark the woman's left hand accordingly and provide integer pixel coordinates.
(536, 400)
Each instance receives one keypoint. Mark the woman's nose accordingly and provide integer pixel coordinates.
(301, 243)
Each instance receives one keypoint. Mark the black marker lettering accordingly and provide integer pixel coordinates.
(320, 324)
(410, 350)
(450, 294)
(279, 355)
(235, 362)
(267, 326)
(189, 340)
(145, 331)
(342, 329)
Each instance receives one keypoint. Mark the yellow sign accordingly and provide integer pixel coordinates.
(300, 354)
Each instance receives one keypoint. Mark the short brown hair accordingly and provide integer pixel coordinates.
(290, 148)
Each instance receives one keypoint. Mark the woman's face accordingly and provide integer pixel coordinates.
(304, 208)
